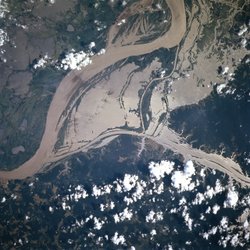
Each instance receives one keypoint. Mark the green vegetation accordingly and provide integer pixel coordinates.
(90, 24)
(13, 111)
(207, 36)
(33, 108)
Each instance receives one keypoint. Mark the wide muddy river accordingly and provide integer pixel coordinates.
(70, 85)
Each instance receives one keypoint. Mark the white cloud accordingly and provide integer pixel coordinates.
(118, 239)
(210, 192)
(154, 216)
(247, 236)
(75, 60)
(188, 221)
(220, 88)
(139, 192)
(244, 42)
(170, 247)
(3, 8)
(96, 191)
(243, 29)
(65, 206)
(3, 37)
(121, 22)
(189, 169)
(98, 223)
(101, 52)
(208, 210)
(181, 181)
(232, 199)
(216, 208)
(91, 45)
(129, 181)
(159, 189)
(182, 201)
(3, 200)
(198, 199)
(235, 240)
(225, 70)
(41, 63)
(118, 187)
(159, 170)
(218, 187)
(153, 232)
(246, 224)
(102, 190)
(127, 214)
(224, 222)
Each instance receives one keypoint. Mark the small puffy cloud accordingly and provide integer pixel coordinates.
(65, 206)
(208, 210)
(129, 181)
(216, 208)
(118, 239)
(220, 88)
(159, 189)
(3, 8)
(210, 192)
(41, 63)
(235, 240)
(101, 190)
(3, 37)
(126, 214)
(159, 170)
(154, 216)
(232, 199)
(243, 30)
(101, 52)
(91, 45)
(96, 191)
(225, 70)
(181, 181)
(98, 223)
(224, 222)
(246, 224)
(188, 220)
(218, 187)
(121, 22)
(198, 199)
(189, 169)
(3, 200)
(182, 201)
(75, 60)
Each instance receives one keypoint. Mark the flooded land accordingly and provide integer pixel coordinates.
(124, 124)
(111, 96)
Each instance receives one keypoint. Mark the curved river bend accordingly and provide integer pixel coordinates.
(75, 79)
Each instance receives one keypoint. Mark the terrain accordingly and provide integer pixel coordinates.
(124, 124)
(85, 111)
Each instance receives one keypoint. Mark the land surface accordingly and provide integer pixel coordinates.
(99, 157)
(100, 102)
